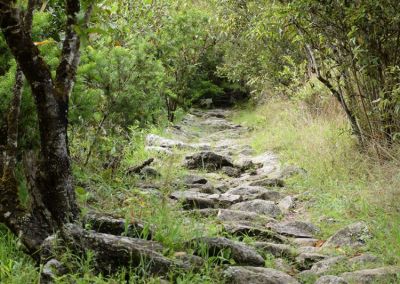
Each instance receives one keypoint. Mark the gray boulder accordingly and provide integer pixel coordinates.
(363, 260)
(277, 250)
(286, 204)
(297, 229)
(305, 242)
(193, 200)
(239, 252)
(323, 266)
(354, 235)
(237, 216)
(154, 140)
(306, 260)
(257, 275)
(207, 160)
(388, 274)
(198, 200)
(259, 206)
(231, 172)
(255, 192)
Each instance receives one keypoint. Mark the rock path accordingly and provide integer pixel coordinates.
(247, 194)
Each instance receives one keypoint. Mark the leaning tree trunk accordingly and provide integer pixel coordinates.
(53, 208)
(53, 200)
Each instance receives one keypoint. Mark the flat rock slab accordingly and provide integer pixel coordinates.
(207, 160)
(239, 217)
(259, 206)
(255, 192)
(354, 235)
(198, 200)
(112, 252)
(277, 250)
(388, 274)
(257, 275)
(306, 260)
(323, 266)
(241, 253)
(296, 229)
(154, 140)
(193, 200)
(305, 242)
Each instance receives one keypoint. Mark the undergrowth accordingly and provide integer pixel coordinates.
(342, 184)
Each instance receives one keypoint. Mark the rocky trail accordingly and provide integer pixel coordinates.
(247, 194)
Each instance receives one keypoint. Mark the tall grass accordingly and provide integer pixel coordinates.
(343, 185)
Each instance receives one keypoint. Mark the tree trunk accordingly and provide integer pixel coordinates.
(53, 199)
(53, 206)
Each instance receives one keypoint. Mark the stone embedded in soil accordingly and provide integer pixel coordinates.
(364, 259)
(323, 266)
(241, 253)
(207, 160)
(268, 182)
(219, 124)
(231, 172)
(308, 249)
(331, 279)
(283, 265)
(237, 216)
(193, 200)
(387, 274)
(257, 275)
(295, 229)
(198, 200)
(354, 235)
(194, 179)
(51, 270)
(188, 260)
(290, 171)
(203, 188)
(277, 250)
(286, 204)
(153, 140)
(259, 206)
(255, 192)
(225, 200)
(305, 242)
(306, 260)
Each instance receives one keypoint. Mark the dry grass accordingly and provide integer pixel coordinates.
(344, 184)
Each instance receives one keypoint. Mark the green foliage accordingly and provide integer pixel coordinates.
(15, 266)
(122, 84)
